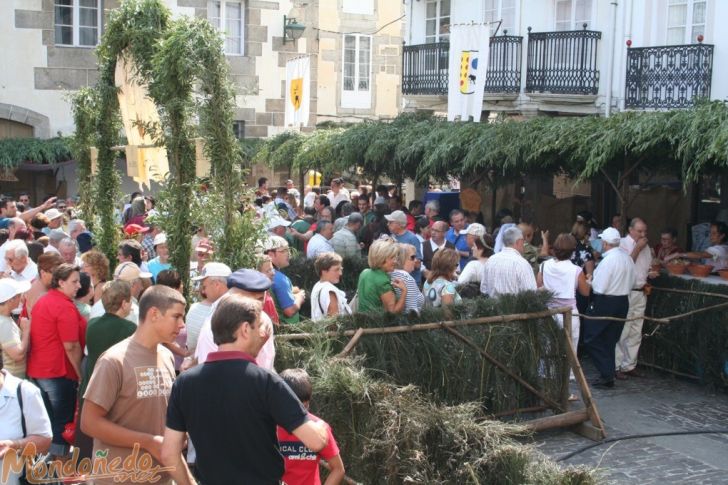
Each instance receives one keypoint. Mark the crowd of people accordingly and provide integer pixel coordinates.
(104, 359)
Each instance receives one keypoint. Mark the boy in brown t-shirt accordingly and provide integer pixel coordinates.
(125, 403)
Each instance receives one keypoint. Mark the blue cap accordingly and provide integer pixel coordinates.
(85, 241)
(249, 280)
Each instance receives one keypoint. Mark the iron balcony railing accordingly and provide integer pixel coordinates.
(563, 62)
(425, 67)
(668, 76)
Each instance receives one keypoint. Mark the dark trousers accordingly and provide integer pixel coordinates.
(59, 396)
(601, 336)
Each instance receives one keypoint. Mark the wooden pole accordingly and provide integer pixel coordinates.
(427, 326)
(586, 395)
(565, 391)
(553, 404)
(511, 412)
(557, 421)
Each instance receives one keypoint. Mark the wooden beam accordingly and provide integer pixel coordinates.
(581, 381)
(428, 326)
(352, 343)
(562, 420)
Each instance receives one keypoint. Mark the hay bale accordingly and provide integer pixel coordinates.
(394, 434)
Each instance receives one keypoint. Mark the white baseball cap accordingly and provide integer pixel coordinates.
(214, 269)
(610, 235)
(128, 271)
(475, 229)
(160, 238)
(10, 288)
(277, 221)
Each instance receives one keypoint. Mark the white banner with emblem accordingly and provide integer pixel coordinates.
(298, 91)
(469, 49)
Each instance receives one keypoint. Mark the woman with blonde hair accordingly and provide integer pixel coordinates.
(326, 299)
(96, 265)
(375, 291)
(439, 288)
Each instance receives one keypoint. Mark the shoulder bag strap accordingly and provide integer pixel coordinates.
(20, 403)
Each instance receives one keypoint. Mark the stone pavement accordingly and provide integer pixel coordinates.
(652, 404)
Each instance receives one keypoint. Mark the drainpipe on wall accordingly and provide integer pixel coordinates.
(612, 53)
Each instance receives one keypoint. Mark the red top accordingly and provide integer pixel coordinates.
(302, 464)
(411, 222)
(54, 320)
(269, 307)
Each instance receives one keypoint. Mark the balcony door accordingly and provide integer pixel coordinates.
(504, 10)
(573, 14)
(437, 21)
(685, 21)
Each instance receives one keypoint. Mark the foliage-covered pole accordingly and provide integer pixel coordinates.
(84, 105)
(216, 126)
(108, 182)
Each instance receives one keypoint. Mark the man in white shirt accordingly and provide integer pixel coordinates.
(635, 244)
(37, 424)
(21, 267)
(319, 243)
(213, 284)
(613, 281)
(250, 283)
(14, 225)
(508, 272)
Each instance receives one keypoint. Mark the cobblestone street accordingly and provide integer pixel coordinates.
(652, 404)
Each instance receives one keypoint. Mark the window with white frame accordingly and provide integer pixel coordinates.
(685, 21)
(573, 14)
(356, 91)
(504, 10)
(77, 22)
(228, 17)
(362, 7)
(437, 21)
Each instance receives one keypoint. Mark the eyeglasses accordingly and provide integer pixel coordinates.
(413, 257)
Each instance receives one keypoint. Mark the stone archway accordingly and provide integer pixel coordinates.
(18, 118)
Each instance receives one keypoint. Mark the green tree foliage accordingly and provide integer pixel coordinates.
(14, 151)
(684, 143)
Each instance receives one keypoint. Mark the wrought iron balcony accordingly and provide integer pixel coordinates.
(563, 62)
(425, 67)
(668, 76)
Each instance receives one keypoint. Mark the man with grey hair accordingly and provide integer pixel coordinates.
(76, 227)
(612, 283)
(69, 251)
(344, 241)
(20, 266)
(508, 272)
(319, 243)
(432, 211)
(14, 224)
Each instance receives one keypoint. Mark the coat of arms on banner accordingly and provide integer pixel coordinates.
(468, 71)
(296, 92)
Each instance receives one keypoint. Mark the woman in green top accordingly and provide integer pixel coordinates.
(375, 291)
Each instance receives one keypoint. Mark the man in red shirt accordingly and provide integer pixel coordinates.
(302, 464)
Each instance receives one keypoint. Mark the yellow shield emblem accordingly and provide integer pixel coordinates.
(296, 92)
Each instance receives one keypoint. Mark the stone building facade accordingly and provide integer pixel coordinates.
(355, 49)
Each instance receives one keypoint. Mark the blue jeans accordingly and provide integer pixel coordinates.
(59, 396)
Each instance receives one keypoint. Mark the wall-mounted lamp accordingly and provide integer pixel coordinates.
(292, 30)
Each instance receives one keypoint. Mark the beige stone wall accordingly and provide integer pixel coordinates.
(386, 59)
